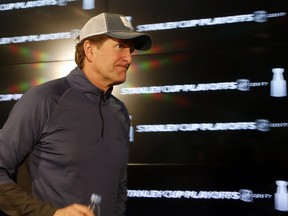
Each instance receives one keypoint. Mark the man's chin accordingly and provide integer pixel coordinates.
(119, 82)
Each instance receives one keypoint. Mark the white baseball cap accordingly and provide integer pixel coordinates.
(116, 26)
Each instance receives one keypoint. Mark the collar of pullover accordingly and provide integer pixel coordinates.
(79, 81)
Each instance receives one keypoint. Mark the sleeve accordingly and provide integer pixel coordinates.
(17, 139)
(122, 191)
(15, 201)
(122, 194)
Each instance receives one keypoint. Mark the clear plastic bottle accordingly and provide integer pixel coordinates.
(95, 204)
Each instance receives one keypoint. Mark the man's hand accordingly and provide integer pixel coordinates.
(74, 210)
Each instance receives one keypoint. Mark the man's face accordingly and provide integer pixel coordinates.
(111, 61)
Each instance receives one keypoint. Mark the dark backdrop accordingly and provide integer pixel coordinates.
(208, 138)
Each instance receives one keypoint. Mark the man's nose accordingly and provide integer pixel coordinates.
(128, 55)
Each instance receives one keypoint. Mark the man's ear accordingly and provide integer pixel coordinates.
(88, 50)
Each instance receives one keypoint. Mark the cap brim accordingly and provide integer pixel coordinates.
(141, 41)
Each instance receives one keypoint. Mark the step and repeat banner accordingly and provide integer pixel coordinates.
(208, 103)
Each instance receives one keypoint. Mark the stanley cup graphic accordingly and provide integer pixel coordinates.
(88, 4)
(62, 2)
(281, 196)
(278, 84)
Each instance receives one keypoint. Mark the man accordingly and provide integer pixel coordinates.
(72, 131)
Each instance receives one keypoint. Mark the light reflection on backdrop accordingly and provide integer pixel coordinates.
(38, 73)
(151, 66)
(45, 70)
(176, 45)
(26, 52)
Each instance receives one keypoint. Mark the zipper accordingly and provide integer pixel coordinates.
(101, 115)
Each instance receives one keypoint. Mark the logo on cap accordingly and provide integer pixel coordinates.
(125, 22)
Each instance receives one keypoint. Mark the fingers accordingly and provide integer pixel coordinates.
(74, 210)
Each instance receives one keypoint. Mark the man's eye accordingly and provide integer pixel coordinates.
(123, 46)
